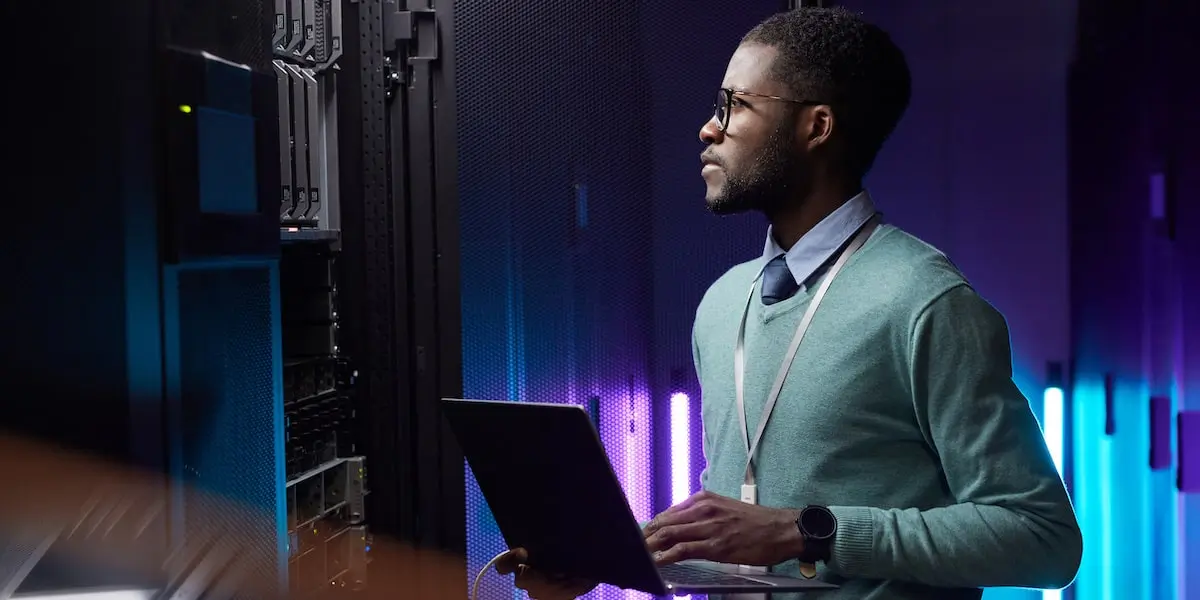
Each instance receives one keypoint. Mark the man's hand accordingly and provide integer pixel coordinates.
(711, 527)
(541, 586)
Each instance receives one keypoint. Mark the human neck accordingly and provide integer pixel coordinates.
(789, 224)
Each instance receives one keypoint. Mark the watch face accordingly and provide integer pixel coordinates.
(818, 522)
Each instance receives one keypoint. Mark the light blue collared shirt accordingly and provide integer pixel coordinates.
(808, 257)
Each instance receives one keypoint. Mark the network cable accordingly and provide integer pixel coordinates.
(485, 569)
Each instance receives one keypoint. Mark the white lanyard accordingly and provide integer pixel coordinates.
(749, 488)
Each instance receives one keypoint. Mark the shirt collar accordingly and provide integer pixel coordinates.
(815, 248)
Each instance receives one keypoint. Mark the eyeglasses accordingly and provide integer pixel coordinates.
(724, 104)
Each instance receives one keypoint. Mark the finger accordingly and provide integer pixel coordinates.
(695, 508)
(700, 550)
(697, 498)
(686, 503)
(651, 527)
(666, 537)
(664, 519)
(509, 563)
(668, 516)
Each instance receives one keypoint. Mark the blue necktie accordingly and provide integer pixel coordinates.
(777, 282)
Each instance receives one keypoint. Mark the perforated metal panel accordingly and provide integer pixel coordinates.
(581, 212)
(230, 405)
(320, 23)
(555, 274)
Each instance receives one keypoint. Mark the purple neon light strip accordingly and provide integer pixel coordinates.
(681, 447)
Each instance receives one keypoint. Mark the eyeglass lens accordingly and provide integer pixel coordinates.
(721, 109)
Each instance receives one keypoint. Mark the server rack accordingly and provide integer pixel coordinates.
(351, 294)
(328, 540)
(369, 283)
(326, 485)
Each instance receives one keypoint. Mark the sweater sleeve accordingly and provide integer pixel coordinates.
(1013, 524)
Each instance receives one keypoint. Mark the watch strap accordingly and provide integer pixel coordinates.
(808, 570)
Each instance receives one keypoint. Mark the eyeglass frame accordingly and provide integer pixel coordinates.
(726, 102)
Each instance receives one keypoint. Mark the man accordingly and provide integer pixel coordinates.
(900, 459)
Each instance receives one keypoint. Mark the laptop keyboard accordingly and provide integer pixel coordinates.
(698, 576)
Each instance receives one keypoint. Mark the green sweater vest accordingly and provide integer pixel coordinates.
(901, 415)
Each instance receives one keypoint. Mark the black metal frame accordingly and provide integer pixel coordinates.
(365, 290)
(437, 310)
(401, 244)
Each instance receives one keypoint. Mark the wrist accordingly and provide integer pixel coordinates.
(791, 540)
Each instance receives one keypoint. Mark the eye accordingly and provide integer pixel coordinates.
(738, 101)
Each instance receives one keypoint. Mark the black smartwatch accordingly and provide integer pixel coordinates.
(817, 526)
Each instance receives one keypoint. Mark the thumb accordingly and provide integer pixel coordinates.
(513, 559)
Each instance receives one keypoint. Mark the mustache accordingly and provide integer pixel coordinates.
(707, 157)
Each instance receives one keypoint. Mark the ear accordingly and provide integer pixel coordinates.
(818, 124)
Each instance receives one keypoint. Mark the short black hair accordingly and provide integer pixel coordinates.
(833, 56)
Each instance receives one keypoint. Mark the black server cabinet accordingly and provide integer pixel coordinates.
(147, 326)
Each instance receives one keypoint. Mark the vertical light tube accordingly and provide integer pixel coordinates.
(681, 450)
(681, 447)
(1104, 457)
(1053, 430)
(1053, 424)
(1108, 566)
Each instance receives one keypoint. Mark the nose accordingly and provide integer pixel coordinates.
(710, 133)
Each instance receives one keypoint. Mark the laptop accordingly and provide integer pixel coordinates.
(547, 479)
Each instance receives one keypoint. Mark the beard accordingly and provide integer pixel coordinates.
(769, 182)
